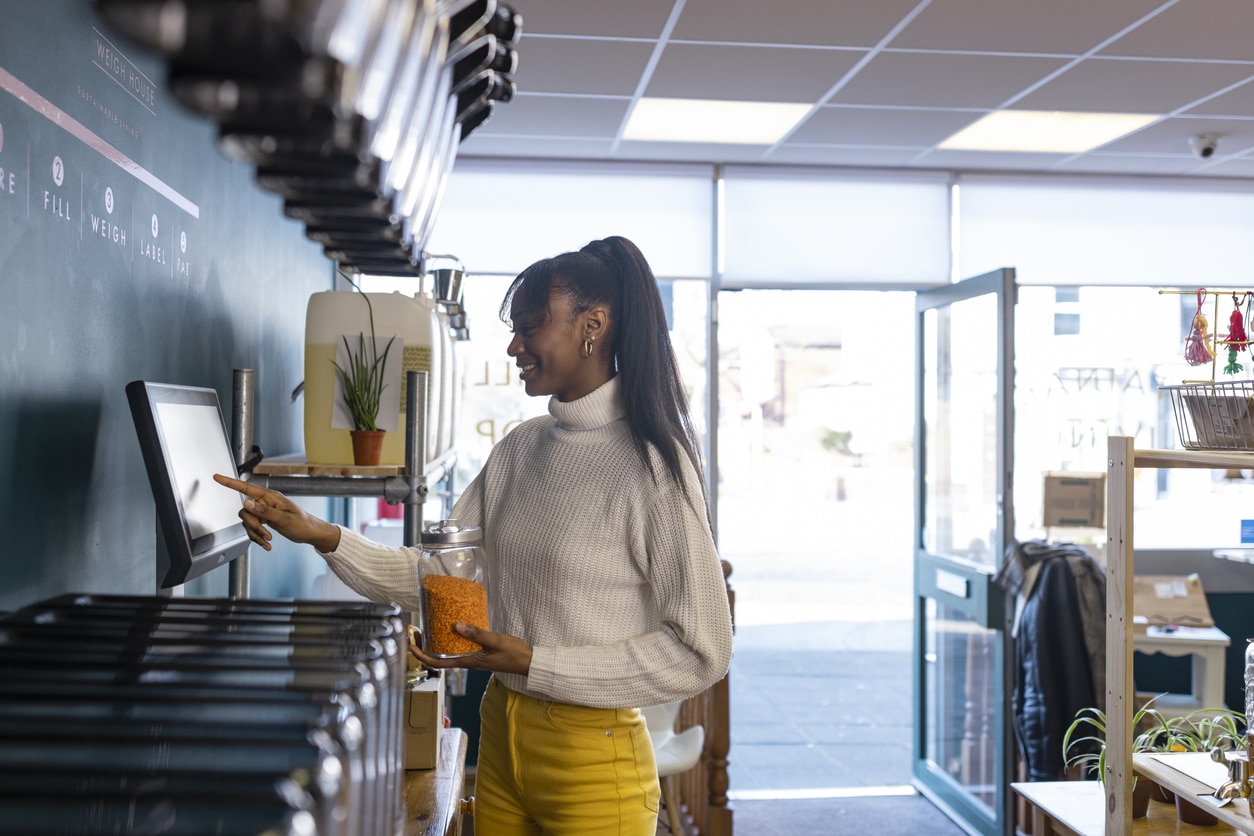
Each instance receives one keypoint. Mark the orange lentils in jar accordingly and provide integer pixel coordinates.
(450, 600)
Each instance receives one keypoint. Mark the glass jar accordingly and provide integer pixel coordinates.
(1249, 696)
(453, 588)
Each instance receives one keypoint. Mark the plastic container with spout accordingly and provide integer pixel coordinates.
(447, 380)
(453, 586)
(331, 314)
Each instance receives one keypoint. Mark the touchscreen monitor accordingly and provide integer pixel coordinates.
(184, 442)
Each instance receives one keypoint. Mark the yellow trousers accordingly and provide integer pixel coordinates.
(551, 769)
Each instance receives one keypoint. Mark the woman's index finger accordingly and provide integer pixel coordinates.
(246, 488)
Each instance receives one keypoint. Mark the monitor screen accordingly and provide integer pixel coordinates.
(184, 442)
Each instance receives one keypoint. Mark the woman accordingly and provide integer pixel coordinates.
(607, 591)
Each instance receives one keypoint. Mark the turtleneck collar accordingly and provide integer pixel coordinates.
(599, 407)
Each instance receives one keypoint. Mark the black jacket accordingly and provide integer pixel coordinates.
(1056, 667)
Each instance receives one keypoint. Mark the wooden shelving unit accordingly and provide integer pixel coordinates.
(407, 485)
(1123, 462)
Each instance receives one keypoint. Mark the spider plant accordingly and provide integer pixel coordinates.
(1203, 730)
(1087, 751)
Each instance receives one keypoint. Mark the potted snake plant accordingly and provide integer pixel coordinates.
(363, 379)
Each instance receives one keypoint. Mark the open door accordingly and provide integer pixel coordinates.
(963, 749)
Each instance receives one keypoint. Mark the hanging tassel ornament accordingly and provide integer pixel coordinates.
(1236, 337)
(1197, 346)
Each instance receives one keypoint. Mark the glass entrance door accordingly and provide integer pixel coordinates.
(963, 522)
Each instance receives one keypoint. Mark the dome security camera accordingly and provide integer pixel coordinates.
(1204, 145)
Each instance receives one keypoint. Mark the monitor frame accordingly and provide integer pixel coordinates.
(180, 556)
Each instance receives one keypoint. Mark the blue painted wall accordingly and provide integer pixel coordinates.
(130, 247)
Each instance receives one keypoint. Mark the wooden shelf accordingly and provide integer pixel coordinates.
(1235, 814)
(294, 464)
(1078, 808)
(1194, 458)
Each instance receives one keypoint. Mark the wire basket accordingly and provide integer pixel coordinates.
(1214, 416)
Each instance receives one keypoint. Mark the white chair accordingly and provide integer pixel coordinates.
(675, 753)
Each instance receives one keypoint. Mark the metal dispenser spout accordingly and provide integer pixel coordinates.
(1238, 783)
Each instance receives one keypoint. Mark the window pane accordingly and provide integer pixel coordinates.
(960, 408)
(960, 694)
(1074, 390)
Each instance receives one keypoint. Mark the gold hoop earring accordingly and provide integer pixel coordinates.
(587, 348)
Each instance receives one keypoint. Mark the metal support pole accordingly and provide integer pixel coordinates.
(415, 449)
(242, 409)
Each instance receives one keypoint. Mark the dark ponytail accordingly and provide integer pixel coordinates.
(613, 272)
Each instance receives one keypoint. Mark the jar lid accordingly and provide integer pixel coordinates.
(447, 533)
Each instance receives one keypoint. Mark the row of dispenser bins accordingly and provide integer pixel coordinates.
(352, 111)
(146, 715)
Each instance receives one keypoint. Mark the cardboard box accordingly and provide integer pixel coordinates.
(1222, 422)
(1158, 600)
(424, 720)
(1075, 500)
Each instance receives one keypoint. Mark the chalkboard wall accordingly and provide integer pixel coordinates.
(130, 248)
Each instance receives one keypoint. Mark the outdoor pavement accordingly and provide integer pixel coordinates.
(821, 732)
(815, 717)
(822, 673)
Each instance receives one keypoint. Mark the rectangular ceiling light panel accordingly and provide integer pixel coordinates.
(1041, 131)
(706, 120)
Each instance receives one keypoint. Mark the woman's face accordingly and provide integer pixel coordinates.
(547, 347)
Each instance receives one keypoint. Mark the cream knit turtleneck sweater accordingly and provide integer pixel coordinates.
(612, 579)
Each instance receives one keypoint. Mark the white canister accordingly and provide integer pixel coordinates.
(333, 314)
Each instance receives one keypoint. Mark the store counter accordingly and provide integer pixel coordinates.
(433, 797)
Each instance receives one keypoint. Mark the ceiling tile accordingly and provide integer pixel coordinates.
(481, 145)
(873, 126)
(1128, 164)
(1243, 167)
(831, 155)
(581, 62)
(988, 161)
(1070, 27)
(637, 19)
(1236, 102)
(1208, 29)
(1171, 136)
(812, 22)
(748, 73)
(1130, 86)
(943, 80)
(691, 152)
(557, 116)
(605, 67)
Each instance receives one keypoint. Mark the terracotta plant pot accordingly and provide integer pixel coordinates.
(1141, 797)
(1192, 813)
(367, 447)
(1160, 793)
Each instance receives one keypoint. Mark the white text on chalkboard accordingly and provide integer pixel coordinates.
(56, 205)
